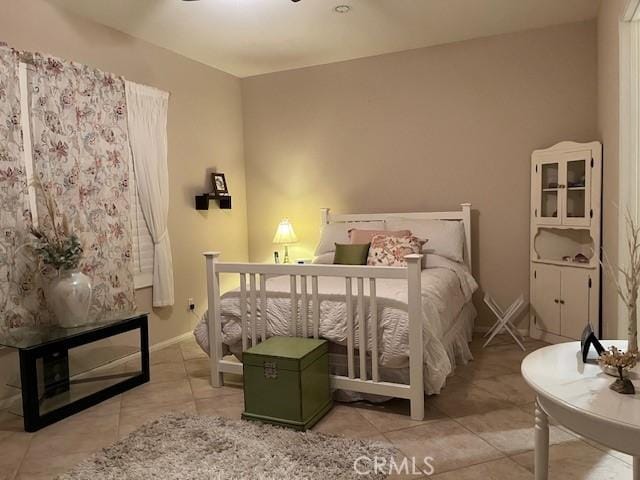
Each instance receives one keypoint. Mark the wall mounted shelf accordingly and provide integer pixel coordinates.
(202, 201)
(566, 263)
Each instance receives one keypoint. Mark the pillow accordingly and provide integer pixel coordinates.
(357, 235)
(446, 238)
(333, 233)
(324, 259)
(351, 254)
(390, 251)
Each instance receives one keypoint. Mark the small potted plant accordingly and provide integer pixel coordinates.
(621, 362)
(58, 248)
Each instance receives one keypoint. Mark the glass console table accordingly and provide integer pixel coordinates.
(53, 387)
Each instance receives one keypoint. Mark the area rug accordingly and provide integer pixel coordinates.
(212, 448)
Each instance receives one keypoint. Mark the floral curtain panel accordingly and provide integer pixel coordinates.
(78, 122)
(81, 156)
(21, 298)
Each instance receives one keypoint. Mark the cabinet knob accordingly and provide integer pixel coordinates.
(556, 300)
(562, 302)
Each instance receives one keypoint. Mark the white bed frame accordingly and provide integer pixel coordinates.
(254, 331)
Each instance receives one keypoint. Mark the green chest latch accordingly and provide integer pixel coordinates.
(270, 370)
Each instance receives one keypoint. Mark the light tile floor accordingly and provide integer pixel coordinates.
(481, 426)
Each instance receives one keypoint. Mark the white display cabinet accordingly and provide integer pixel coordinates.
(566, 197)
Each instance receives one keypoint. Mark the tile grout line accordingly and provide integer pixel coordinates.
(596, 445)
(475, 434)
(188, 376)
(119, 417)
(458, 423)
(520, 466)
(24, 456)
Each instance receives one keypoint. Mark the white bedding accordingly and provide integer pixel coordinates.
(447, 287)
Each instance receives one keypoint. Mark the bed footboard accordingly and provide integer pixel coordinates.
(304, 292)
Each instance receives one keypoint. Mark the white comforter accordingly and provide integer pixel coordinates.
(446, 287)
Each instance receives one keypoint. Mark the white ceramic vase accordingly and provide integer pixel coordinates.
(69, 296)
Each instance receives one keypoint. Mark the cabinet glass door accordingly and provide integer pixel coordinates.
(549, 207)
(577, 209)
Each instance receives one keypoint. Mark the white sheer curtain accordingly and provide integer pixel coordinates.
(629, 112)
(147, 112)
(629, 150)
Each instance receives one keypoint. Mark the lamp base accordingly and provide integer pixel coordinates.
(286, 255)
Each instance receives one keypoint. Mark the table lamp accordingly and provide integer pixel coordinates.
(285, 236)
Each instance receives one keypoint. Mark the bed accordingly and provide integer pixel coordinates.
(417, 323)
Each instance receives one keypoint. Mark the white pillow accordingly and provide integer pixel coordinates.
(445, 238)
(324, 259)
(333, 233)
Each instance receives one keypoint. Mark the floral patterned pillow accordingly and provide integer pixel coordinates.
(390, 251)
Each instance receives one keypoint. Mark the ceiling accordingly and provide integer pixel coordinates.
(251, 37)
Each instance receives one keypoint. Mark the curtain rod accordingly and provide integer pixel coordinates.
(28, 58)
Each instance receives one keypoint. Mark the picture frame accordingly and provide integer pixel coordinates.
(219, 182)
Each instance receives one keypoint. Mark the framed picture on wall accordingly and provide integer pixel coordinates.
(219, 184)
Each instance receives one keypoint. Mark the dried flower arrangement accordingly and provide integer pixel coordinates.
(628, 289)
(621, 361)
(57, 246)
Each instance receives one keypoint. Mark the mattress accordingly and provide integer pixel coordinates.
(447, 287)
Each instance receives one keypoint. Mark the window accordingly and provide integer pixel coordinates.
(142, 241)
(629, 179)
(629, 132)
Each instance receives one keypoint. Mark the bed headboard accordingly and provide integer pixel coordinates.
(463, 215)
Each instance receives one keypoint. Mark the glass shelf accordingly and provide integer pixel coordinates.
(82, 359)
(77, 389)
(98, 357)
(34, 336)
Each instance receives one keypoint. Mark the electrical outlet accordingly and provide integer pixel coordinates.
(191, 306)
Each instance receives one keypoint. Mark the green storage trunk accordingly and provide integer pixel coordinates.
(286, 382)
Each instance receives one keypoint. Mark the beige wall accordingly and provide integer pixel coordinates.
(416, 130)
(608, 130)
(205, 130)
(420, 130)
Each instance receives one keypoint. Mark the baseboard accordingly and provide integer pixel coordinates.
(7, 402)
(484, 329)
(135, 356)
(549, 337)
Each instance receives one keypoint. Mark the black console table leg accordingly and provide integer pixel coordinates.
(144, 350)
(29, 384)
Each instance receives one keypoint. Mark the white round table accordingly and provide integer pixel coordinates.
(577, 395)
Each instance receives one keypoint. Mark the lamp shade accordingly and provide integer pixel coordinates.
(284, 233)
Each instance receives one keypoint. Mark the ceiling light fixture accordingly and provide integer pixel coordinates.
(342, 9)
